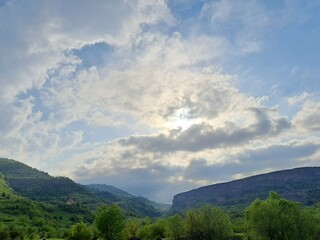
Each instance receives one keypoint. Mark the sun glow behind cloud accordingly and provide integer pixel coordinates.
(181, 119)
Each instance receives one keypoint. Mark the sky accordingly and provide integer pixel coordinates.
(159, 97)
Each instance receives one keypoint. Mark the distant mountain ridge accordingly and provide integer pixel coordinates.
(299, 184)
(126, 200)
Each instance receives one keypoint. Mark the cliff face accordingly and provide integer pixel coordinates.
(300, 185)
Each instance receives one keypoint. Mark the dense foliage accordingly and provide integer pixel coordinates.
(272, 219)
(277, 218)
(110, 222)
(80, 231)
(207, 223)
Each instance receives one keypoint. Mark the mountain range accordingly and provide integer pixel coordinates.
(300, 185)
(22, 186)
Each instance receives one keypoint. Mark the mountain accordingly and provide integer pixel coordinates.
(300, 185)
(22, 216)
(110, 189)
(27, 182)
(40, 186)
(135, 205)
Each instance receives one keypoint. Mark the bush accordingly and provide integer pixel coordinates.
(80, 231)
(208, 223)
(110, 222)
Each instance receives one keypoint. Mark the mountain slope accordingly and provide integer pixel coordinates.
(136, 206)
(39, 186)
(25, 218)
(110, 189)
(300, 185)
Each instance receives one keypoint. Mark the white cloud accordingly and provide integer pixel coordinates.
(298, 98)
(157, 79)
(308, 117)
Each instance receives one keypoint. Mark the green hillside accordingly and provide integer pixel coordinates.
(21, 216)
(39, 186)
(13, 169)
(110, 189)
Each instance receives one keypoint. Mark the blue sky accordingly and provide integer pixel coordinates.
(159, 97)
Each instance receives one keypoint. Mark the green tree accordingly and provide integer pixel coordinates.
(4, 234)
(208, 223)
(155, 230)
(175, 227)
(132, 229)
(110, 222)
(309, 225)
(274, 218)
(80, 231)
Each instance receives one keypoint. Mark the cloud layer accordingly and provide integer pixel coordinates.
(158, 97)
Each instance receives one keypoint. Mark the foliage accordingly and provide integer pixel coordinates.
(132, 229)
(175, 227)
(80, 231)
(206, 223)
(276, 218)
(155, 230)
(110, 222)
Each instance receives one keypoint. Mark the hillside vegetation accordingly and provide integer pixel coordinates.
(63, 192)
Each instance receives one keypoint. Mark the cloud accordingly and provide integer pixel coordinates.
(249, 21)
(298, 98)
(203, 136)
(152, 180)
(308, 117)
(158, 105)
(160, 177)
(37, 34)
(274, 157)
(38, 39)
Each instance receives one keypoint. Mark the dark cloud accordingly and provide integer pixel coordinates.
(152, 181)
(203, 136)
(275, 157)
(280, 153)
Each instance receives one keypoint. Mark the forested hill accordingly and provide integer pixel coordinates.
(40, 186)
(110, 189)
(61, 191)
(300, 185)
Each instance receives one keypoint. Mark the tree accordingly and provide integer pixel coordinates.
(154, 230)
(80, 231)
(4, 234)
(274, 219)
(175, 227)
(110, 222)
(208, 223)
(132, 229)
